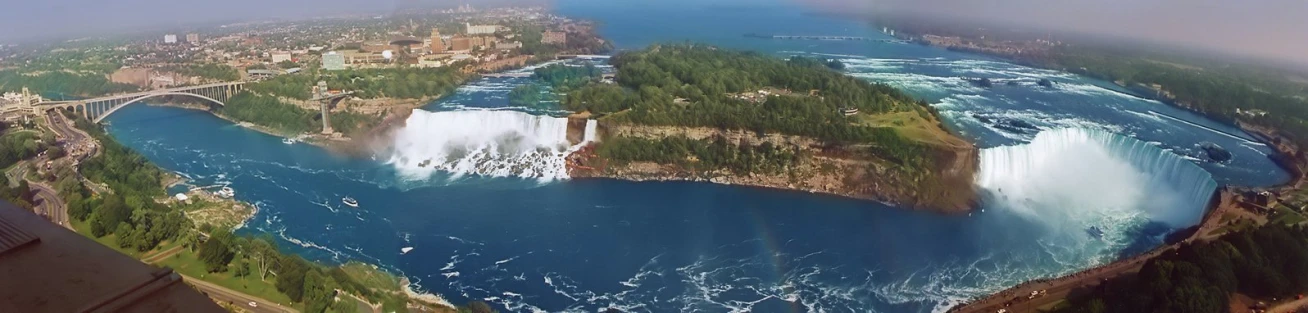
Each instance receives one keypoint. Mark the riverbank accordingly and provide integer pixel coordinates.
(357, 147)
(944, 186)
(205, 225)
(1229, 206)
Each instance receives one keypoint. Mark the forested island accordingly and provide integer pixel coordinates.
(694, 112)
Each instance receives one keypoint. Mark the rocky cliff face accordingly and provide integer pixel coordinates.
(947, 185)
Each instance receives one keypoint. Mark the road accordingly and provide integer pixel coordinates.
(1292, 306)
(242, 300)
(80, 145)
(51, 205)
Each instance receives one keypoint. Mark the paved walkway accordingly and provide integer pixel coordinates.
(159, 257)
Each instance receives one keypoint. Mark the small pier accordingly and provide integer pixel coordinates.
(825, 37)
(507, 75)
(205, 187)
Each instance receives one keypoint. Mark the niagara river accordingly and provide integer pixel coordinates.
(479, 191)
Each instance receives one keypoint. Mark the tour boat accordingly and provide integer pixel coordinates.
(226, 192)
(405, 250)
(1094, 231)
(350, 202)
(288, 141)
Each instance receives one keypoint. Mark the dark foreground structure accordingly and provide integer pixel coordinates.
(47, 268)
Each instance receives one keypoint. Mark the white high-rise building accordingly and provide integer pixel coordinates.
(481, 29)
(170, 38)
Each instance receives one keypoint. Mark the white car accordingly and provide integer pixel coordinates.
(253, 304)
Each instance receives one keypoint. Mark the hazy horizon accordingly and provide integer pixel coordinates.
(1263, 29)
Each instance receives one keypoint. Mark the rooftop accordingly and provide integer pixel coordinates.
(47, 268)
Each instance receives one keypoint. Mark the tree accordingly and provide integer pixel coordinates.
(264, 253)
(124, 232)
(319, 291)
(112, 212)
(216, 252)
(55, 152)
(242, 269)
(97, 228)
(290, 276)
(191, 240)
(77, 208)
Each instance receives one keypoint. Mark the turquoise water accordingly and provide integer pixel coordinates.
(584, 245)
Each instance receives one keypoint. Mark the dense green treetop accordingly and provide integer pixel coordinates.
(528, 95)
(702, 86)
(395, 82)
(565, 77)
(1271, 261)
(271, 112)
(57, 84)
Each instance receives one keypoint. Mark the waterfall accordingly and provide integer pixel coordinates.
(1075, 175)
(483, 142)
(589, 135)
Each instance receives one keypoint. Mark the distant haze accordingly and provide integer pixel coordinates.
(43, 19)
(1275, 29)
(1269, 29)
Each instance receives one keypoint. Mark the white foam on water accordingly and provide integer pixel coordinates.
(497, 143)
(1074, 178)
(1216, 131)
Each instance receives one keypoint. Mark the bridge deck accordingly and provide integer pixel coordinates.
(144, 93)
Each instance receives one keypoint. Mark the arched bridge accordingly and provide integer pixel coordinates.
(98, 108)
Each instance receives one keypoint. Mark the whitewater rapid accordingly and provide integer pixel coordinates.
(1076, 177)
(496, 143)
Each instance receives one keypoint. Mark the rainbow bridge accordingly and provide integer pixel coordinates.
(96, 109)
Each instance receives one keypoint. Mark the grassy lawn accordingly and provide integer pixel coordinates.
(372, 278)
(1238, 226)
(187, 263)
(375, 279)
(913, 126)
(1287, 216)
(111, 240)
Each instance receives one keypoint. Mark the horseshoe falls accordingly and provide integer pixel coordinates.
(1073, 175)
(586, 245)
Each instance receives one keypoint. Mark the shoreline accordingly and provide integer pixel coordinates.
(729, 182)
(1032, 294)
(1286, 156)
(173, 178)
(762, 183)
(1259, 133)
